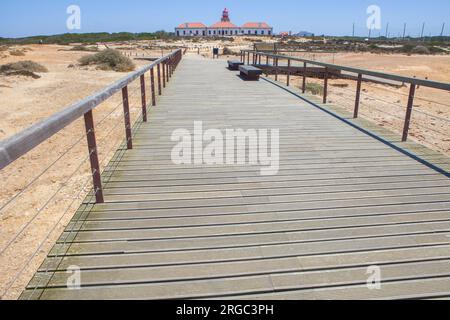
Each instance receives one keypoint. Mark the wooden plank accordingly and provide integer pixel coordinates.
(340, 202)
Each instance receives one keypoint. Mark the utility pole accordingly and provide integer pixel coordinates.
(404, 31)
(423, 29)
(442, 31)
(353, 34)
(387, 30)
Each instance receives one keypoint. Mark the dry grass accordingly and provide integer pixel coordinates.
(17, 53)
(23, 68)
(109, 59)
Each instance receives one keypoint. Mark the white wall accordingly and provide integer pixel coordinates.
(190, 32)
(196, 32)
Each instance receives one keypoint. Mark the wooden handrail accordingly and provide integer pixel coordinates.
(377, 74)
(18, 145)
(413, 82)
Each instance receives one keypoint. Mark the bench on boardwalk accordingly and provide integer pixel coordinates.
(250, 72)
(234, 64)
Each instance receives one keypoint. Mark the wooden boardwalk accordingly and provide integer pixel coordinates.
(341, 202)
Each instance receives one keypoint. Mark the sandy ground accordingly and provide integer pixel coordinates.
(32, 217)
(386, 105)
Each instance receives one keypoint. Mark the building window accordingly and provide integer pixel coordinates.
(262, 32)
(270, 32)
(190, 31)
(249, 32)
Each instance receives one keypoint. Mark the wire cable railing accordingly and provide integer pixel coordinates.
(328, 72)
(134, 104)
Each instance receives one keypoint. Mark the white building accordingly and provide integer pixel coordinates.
(191, 29)
(223, 28)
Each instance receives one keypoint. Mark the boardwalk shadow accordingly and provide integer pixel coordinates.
(246, 79)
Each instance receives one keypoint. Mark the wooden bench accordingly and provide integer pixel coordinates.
(234, 64)
(250, 72)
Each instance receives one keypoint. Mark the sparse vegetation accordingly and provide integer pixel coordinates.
(420, 50)
(24, 68)
(109, 59)
(228, 52)
(17, 53)
(314, 88)
(84, 48)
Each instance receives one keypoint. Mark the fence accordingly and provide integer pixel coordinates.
(272, 61)
(34, 211)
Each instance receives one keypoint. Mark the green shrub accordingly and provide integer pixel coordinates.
(109, 59)
(23, 65)
(420, 50)
(17, 53)
(23, 68)
(314, 88)
(228, 52)
(84, 48)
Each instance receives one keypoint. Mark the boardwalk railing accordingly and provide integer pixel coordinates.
(273, 60)
(15, 147)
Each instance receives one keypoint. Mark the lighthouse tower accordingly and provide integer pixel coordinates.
(225, 16)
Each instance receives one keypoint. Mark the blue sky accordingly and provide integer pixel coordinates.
(332, 17)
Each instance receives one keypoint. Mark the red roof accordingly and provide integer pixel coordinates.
(192, 25)
(256, 25)
(224, 24)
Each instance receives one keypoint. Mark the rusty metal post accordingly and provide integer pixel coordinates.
(152, 82)
(259, 62)
(358, 96)
(254, 59)
(159, 79)
(143, 99)
(288, 80)
(126, 112)
(304, 78)
(267, 60)
(164, 73)
(167, 70)
(93, 155)
(248, 58)
(276, 68)
(412, 92)
(325, 86)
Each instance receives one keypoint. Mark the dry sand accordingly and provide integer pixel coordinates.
(38, 217)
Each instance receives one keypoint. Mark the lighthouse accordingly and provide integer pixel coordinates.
(225, 16)
(223, 28)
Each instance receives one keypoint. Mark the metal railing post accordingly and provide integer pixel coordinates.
(358, 96)
(93, 155)
(126, 113)
(325, 86)
(143, 99)
(276, 68)
(304, 78)
(159, 78)
(164, 73)
(152, 83)
(288, 80)
(412, 92)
